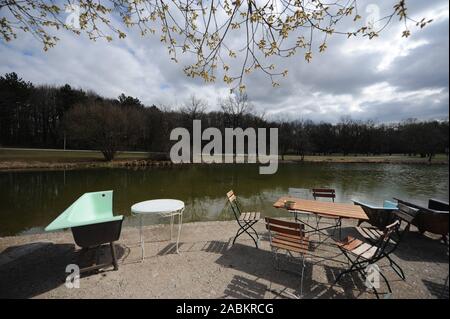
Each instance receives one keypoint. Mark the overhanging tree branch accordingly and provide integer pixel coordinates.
(206, 30)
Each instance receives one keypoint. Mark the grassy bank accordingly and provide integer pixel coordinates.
(15, 158)
(53, 155)
(395, 159)
(18, 159)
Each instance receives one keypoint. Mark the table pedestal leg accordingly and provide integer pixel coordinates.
(171, 225)
(180, 223)
(142, 239)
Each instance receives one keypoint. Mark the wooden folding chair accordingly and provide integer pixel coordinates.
(373, 235)
(290, 237)
(245, 220)
(324, 192)
(332, 222)
(361, 254)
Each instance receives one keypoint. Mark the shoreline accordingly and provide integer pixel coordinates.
(18, 165)
(6, 166)
(67, 233)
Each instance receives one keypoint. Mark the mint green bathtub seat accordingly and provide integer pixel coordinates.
(379, 216)
(90, 208)
(92, 223)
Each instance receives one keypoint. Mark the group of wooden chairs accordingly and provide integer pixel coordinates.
(292, 238)
(246, 220)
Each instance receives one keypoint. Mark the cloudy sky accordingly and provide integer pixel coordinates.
(386, 79)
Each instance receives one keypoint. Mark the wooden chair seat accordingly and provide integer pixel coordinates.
(349, 243)
(365, 250)
(358, 247)
(250, 216)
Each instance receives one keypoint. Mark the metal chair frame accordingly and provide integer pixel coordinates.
(360, 263)
(244, 226)
(301, 233)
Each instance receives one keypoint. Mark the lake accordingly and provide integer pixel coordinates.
(30, 200)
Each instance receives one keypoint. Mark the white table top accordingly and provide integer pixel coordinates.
(159, 206)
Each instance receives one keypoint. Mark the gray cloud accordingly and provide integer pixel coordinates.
(428, 66)
(386, 79)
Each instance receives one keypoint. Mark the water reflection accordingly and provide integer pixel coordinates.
(31, 200)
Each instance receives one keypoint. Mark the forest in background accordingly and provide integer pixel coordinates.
(43, 116)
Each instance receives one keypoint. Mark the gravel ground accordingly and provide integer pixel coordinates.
(208, 266)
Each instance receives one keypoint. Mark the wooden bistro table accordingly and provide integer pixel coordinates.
(339, 210)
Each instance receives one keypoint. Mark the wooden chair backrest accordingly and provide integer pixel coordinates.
(284, 227)
(384, 240)
(324, 192)
(231, 197)
(406, 213)
(234, 204)
(390, 230)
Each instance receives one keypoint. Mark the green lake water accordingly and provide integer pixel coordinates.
(30, 200)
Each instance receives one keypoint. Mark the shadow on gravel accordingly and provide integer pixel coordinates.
(438, 290)
(29, 270)
(258, 263)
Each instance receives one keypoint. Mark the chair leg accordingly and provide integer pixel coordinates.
(244, 228)
(256, 234)
(363, 275)
(301, 279)
(356, 266)
(387, 282)
(339, 227)
(113, 255)
(250, 225)
(238, 233)
(396, 267)
(340, 230)
(318, 227)
(275, 258)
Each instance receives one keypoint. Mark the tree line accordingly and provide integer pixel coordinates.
(45, 116)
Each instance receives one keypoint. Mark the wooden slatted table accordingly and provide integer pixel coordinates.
(324, 208)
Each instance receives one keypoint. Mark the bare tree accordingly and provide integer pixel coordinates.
(208, 30)
(194, 108)
(234, 107)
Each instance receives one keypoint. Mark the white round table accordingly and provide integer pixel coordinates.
(163, 207)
